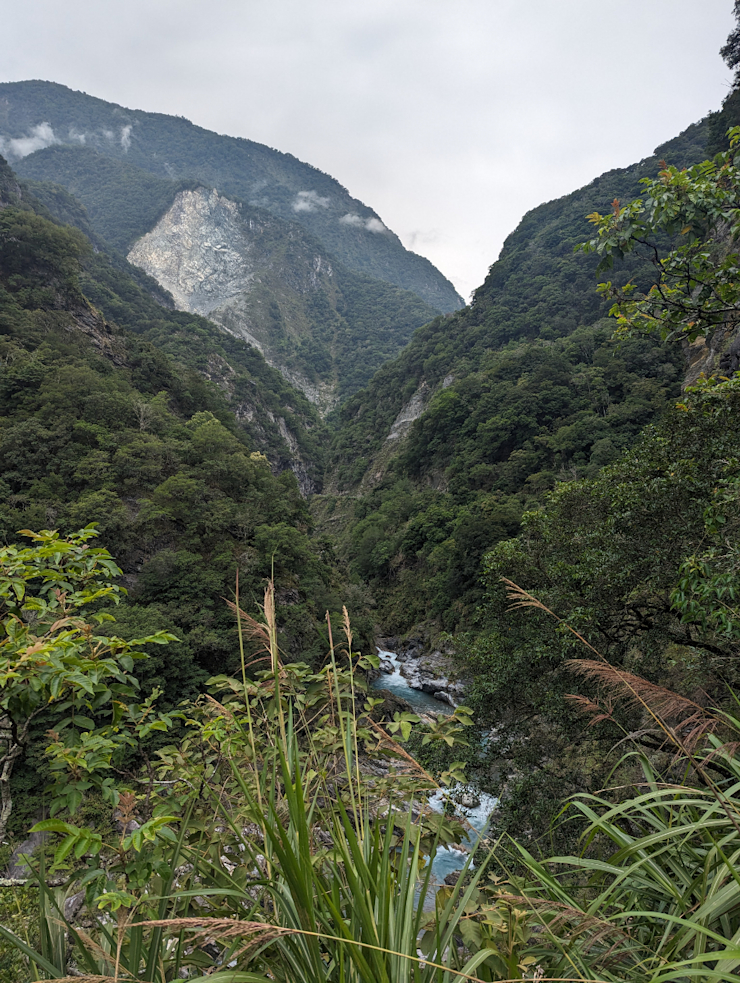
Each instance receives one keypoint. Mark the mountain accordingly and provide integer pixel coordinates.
(176, 439)
(37, 114)
(327, 300)
(489, 408)
(325, 328)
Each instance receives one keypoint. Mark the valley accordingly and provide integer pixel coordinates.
(247, 440)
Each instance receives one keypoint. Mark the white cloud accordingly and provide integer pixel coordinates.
(76, 135)
(375, 225)
(309, 201)
(372, 224)
(126, 136)
(41, 135)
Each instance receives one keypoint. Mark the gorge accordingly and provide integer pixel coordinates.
(246, 442)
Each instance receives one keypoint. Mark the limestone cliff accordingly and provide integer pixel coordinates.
(276, 287)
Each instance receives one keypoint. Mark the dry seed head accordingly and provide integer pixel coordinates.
(521, 598)
(687, 718)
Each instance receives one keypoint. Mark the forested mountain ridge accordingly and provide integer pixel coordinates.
(262, 277)
(37, 114)
(152, 424)
(519, 442)
(487, 409)
(538, 288)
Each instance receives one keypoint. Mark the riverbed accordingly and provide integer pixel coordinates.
(448, 860)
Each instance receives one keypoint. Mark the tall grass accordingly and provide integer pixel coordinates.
(295, 862)
(292, 862)
(655, 893)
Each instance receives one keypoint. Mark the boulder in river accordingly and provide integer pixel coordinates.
(466, 799)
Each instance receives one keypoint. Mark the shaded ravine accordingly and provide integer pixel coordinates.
(448, 859)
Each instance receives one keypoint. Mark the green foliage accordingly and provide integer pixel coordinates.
(520, 391)
(242, 380)
(18, 914)
(642, 561)
(270, 849)
(268, 775)
(696, 290)
(100, 425)
(491, 445)
(653, 892)
(537, 288)
(55, 664)
(121, 201)
(39, 262)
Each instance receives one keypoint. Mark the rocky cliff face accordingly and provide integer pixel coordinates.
(323, 327)
(227, 263)
(198, 251)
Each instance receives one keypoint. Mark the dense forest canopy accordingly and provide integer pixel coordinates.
(130, 424)
(521, 390)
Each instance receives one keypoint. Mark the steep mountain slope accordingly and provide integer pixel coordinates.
(279, 419)
(162, 450)
(486, 409)
(37, 114)
(326, 328)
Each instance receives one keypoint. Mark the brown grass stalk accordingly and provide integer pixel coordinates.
(638, 689)
(230, 928)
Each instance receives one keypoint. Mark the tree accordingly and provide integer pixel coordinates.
(731, 50)
(55, 666)
(698, 287)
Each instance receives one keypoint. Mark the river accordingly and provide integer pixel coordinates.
(447, 859)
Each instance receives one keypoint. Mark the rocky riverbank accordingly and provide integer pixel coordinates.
(430, 671)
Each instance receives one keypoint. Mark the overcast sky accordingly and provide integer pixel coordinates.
(451, 118)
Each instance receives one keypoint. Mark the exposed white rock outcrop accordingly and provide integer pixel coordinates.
(198, 251)
(221, 264)
(410, 412)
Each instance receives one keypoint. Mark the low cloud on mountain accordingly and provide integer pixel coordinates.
(41, 135)
(309, 201)
(371, 224)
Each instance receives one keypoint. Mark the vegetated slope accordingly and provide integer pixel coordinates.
(642, 561)
(486, 409)
(122, 201)
(327, 328)
(100, 424)
(37, 114)
(280, 420)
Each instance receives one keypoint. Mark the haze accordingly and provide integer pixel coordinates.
(450, 117)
